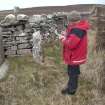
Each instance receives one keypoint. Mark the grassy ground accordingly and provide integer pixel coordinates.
(28, 83)
(32, 84)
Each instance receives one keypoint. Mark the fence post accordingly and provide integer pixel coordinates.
(100, 49)
(3, 63)
(1, 49)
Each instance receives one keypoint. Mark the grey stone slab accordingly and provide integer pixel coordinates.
(24, 52)
(23, 46)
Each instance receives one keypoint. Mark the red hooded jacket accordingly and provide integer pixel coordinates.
(75, 44)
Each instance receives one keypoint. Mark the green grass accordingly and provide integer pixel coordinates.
(54, 52)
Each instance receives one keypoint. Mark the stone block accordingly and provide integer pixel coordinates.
(10, 52)
(24, 52)
(23, 46)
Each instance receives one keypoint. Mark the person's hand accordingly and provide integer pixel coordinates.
(63, 33)
(61, 37)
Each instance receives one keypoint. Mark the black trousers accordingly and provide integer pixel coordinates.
(73, 73)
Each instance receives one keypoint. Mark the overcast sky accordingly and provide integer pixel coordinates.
(9, 4)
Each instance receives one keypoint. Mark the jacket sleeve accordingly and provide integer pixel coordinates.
(74, 38)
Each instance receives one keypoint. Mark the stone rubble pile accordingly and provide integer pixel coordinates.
(45, 33)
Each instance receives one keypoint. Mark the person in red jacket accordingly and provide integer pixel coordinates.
(74, 41)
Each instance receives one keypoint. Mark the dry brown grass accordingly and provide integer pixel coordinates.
(28, 83)
(32, 84)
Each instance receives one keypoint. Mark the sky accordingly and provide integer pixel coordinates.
(10, 4)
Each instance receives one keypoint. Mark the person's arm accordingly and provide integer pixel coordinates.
(74, 38)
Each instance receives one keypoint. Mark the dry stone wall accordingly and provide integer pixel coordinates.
(18, 34)
(17, 40)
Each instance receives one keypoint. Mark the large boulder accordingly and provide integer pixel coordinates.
(22, 17)
(37, 19)
(10, 18)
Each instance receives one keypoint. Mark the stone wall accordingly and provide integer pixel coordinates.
(18, 34)
(16, 40)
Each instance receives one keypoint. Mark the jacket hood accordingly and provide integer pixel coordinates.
(83, 24)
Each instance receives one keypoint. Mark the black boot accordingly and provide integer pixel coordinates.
(68, 92)
(72, 84)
